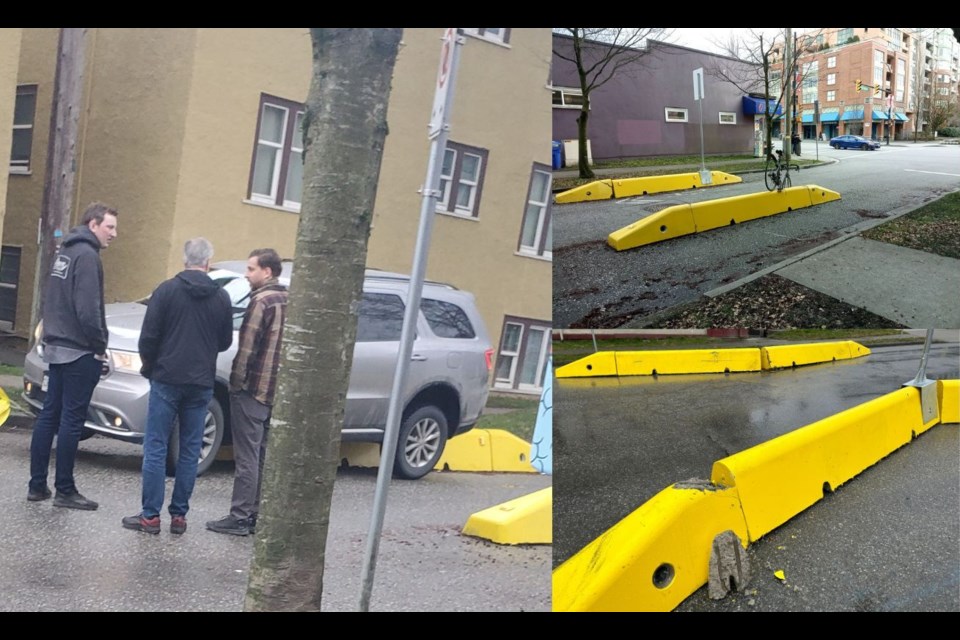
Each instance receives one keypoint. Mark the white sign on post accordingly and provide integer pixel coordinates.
(698, 84)
(443, 75)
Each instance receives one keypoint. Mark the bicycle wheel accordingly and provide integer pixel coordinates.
(785, 181)
(770, 174)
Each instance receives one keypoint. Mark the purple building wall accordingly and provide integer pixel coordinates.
(627, 113)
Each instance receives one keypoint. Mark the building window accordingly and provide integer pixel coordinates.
(675, 114)
(900, 79)
(831, 62)
(728, 117)
(522, 357)
(775, 77)
(500, 34)
(567, 98)
(878, 62)
(24, 110)
(843, 35)
(276, 174)
(831, 78)
(536, 233)
(9, 277)
(461, 180)
(831, 96)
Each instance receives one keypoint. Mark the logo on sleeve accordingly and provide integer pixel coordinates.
(61, 267)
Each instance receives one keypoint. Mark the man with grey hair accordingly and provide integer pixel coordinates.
(189, 320)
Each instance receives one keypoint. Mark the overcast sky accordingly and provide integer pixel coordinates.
(701, 38)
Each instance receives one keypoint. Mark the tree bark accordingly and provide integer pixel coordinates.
(344, 130)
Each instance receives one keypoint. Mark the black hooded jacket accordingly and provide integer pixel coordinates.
(189, 321)
(73, 314)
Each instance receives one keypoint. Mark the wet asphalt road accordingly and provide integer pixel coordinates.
(888, 539)
(54, 559)
(596, 286)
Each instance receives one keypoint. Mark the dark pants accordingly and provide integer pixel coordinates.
(249, 423)
(64, 412)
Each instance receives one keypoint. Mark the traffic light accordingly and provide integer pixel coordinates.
(859, 86)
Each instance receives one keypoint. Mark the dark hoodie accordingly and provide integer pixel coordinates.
(189, 321)
(73, 316)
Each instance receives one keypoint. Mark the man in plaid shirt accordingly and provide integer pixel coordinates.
(253, 382)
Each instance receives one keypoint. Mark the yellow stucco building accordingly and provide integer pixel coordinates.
(195, 132)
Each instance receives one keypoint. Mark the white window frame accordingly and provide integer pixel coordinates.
(451, 184)
(732, 114)
(831, 79)
(831, 95)
(20, 167)
(538, 248)
(283, 151)
(541, 361)
(508, 382)
(526, 326)
(667, 118)
(831, 62)
(567, 91)
(501, 36)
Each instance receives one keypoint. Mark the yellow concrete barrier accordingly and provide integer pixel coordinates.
(712, 214)
(672, 182)
(602, 363)
(668, 223)
(4, 407)
(778, 479)
(525, 520)
(596, 190)
(948, 398)
(643, 363)
(795, 355)
(654, 558)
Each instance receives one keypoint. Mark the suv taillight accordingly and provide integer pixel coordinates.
(489, 355)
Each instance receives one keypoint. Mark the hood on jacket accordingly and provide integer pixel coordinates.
(197, 283)
(81, 233)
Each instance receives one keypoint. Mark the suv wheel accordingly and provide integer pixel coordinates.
(423, 435)
(213, 428)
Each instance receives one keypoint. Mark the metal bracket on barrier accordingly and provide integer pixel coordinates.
(929, 404)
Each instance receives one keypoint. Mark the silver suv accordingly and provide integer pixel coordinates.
(443, 396)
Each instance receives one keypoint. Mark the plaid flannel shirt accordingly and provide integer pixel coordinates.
(261, 334)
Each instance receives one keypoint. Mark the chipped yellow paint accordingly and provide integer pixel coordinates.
(524, 520)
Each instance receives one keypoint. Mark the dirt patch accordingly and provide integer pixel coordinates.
(576, 294)
(581, 245)
(934, 228)
(772, 302)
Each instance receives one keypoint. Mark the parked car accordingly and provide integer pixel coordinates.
(854, 142)
(443, 396)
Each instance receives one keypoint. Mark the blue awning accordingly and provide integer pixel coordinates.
(879, 115)
(752, 106)
(852, 114)
(901, 117)
(807, 118)
(833, 116)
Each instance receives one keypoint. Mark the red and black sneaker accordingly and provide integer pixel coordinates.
(178, 524)
(139, 523)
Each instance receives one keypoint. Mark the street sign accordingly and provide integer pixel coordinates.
(698, 84)
(443, 75)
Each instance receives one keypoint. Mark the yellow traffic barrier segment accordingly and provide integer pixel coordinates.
(4, 407)
(643, 363)
(672, 182)
(685, 219)
(596, 190)
(487, 450)
(689, 361)
(524, 520)
(778, 479)
(795, 355)
(948, 400)
(602, 363)
(653, 559)
(660, 554)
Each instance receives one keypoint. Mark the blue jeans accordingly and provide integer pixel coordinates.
(64, 412)
(167, 402)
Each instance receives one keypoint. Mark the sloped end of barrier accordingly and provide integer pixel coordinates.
(655, 557)
(948, 397)
(602, 363)
(525, 520)
(596, 190)
(819, 195)
(721, 177)
(671, 222)
(4, 407)
(795, 355)
(509, 453)
(360, 454)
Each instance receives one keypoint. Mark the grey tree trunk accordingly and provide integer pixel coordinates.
(344, 130)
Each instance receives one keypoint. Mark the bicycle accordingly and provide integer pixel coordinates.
(775, 173)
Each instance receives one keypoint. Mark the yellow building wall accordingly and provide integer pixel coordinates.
(9, 67)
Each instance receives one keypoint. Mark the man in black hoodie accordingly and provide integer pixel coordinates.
(74, 345)
(189, 321)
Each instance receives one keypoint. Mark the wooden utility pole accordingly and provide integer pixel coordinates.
(61, 159)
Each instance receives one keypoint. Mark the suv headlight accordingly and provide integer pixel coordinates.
(37, 334)
(126, 361)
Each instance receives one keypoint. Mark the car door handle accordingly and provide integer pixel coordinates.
(418, 357)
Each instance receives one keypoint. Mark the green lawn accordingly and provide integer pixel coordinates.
(519, 421)
(10, 370)
(831, 334)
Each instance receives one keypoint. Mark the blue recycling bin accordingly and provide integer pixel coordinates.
(557, 150)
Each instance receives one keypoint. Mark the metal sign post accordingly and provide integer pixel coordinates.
(816, 127)
(437, 134)
(928, 388)
(705, 176)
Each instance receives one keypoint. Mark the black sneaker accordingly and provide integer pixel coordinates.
(178, 525)
(74, 501)
(253, 524)
(34, 495)
(230, 524)
(147, 525)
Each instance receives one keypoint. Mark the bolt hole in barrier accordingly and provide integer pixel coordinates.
(732, 222)
(827, 489)
(663, 228)
(663, 575)
(589, 367)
